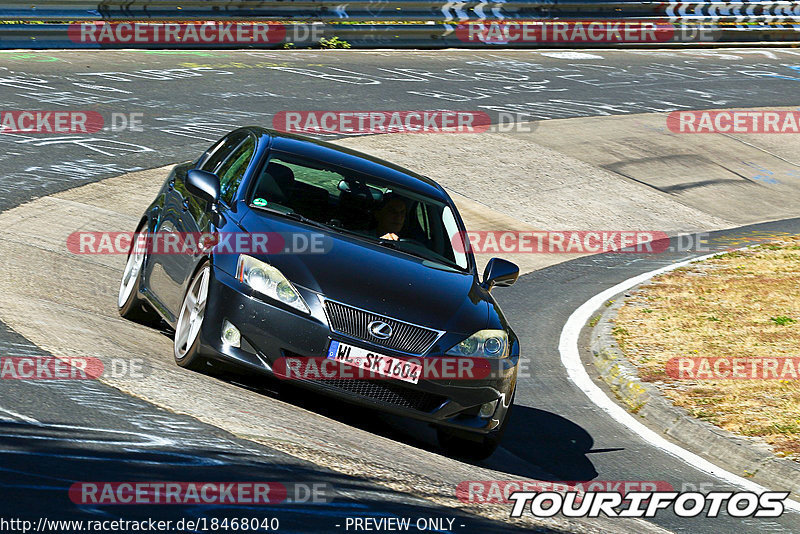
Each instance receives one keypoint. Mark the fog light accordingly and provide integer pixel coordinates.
(230, 334)
(488, 408)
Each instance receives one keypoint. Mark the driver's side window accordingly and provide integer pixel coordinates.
(232, 170)
(217, 153)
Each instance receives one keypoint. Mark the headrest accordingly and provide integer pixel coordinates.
(275, 183)
(282, 174)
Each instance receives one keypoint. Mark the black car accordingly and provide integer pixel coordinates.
(392, 280)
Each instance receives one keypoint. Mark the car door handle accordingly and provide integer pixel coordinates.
(185, 204)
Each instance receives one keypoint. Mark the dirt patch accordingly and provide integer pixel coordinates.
(741, 305)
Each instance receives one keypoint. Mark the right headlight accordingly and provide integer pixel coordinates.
(484, 343)
(269, 281)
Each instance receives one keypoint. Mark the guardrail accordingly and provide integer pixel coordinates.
(395, 10)
(396, 23)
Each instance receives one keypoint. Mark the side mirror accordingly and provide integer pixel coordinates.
(499, 273)
(204, 185)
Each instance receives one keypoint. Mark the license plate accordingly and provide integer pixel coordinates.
(376, 364)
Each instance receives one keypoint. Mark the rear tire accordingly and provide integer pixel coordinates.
(477, 447)
(129, 304)
(190, 321)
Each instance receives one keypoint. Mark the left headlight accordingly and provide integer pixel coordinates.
(269, 281)
(484, 343)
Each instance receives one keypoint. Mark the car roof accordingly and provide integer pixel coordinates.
(351, 159)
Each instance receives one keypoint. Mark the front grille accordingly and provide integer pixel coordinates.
(387, 393)
(405, 337)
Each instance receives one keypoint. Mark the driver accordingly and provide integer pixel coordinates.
(390, 217)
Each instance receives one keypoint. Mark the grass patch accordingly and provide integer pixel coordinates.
(742, 304)
(333, 42)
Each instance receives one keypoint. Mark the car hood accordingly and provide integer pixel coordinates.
(379, 279)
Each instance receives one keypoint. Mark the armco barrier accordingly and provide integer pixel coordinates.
(399, 10)
(411, 23)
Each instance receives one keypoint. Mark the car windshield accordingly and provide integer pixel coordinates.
(362, 205)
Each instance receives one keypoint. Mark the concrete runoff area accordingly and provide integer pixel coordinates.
(66, 303)
(612, 172)
(519, 175)
(738, 178)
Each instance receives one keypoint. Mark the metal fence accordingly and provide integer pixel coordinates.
(392, 23)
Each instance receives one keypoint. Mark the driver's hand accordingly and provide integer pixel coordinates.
(390, 237)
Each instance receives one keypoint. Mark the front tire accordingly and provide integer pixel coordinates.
(190, 321)
(129, 304)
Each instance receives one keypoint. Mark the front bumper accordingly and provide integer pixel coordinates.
(271, 330)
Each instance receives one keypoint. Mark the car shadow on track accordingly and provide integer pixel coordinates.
(373, 421)
(551, 447)
(537, 444)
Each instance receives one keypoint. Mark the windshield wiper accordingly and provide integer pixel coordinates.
(292, 215)
(303, 219)
(395, 245)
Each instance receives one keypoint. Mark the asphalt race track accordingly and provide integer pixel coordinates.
(55, 433)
